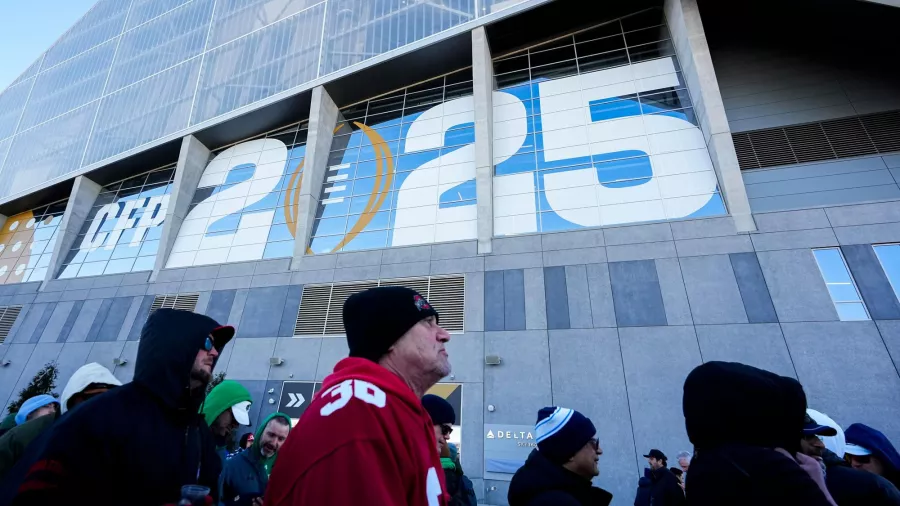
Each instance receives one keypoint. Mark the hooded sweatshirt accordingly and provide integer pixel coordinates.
(14, 444)
(85, 376)
(137, 444)
(364, 439)
(220, 398)
(736, 416)
(246, 474)
(880, 446)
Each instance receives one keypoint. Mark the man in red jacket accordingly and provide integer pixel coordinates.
(365, 438)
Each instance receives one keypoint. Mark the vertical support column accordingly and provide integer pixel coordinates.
(192, 162)
(323, 118)
(484, 84)
(693, 52)
(81, 200)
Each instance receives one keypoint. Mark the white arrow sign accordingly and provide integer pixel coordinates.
(296, 400)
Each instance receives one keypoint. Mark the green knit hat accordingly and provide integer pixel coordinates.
(223, 396)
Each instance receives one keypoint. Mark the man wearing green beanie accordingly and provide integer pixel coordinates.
(246, 474)
(226, 407)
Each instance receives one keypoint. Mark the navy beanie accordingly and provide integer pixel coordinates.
(376, 318)
(440, 411)
(561, 433)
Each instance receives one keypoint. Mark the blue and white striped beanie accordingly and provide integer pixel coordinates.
(561, 432)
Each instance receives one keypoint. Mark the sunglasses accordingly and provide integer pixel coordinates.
(862, 459)
(446, 430)
(595, 443)
(208, 344)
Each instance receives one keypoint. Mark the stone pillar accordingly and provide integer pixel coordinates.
(484, 84)
(192, 161)
(81, 200)
(693, 53)
(323, 119)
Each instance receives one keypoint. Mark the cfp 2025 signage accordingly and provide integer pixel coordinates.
(591, 164)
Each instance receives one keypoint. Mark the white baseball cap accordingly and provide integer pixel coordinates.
(241, 412)
(857, 450)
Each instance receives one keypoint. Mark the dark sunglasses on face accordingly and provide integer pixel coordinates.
(595, 443)
(862, 459)
(446, 430)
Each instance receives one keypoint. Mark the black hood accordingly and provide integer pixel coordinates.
(169, 344)
(728, 402)
(539, 475)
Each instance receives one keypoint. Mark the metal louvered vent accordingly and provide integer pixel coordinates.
(8, 315)
(184, 301)
(321, 306)
(823, 140)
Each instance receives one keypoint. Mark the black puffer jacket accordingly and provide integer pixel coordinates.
(664, 488)
(736, 416)
(853, 487)
(139, 443)
(542, 483)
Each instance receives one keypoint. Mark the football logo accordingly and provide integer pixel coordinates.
(421, 304)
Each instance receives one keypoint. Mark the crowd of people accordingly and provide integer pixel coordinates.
(372, 435)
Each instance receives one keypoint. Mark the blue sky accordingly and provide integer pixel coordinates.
(30, 27)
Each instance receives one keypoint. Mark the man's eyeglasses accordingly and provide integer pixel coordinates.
(595, 443)
(209, 344)
(446, 430)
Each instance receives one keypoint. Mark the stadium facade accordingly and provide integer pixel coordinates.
(597, 196)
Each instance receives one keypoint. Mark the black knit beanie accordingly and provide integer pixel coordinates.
(440, 411)
(376, 318)
(561, 433)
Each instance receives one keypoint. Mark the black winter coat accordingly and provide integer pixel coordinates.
(137, 444)
(736, 416)
(853, 487)
(542, 483)
(663, 486)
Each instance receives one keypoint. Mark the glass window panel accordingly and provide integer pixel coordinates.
(279, 233)
(378, 119)
(119, 266)
(646, 36)
(91, 269)
(460, 76)
(602, 61)
(99, 254)
(560, 54)
(852, 312)
(433, 96)
(333, 209)
(651, 51)
(843, 292)
(384, 105)
(512, 79)
(70, 271)
(143, 264)
(355, 111)
(458, 90)
(103, 199)
(672, 99)
(367, 240)
(606, 30)
(598, 46)
(161, 176)
(330, 226)
(279, 249)
(607, 109)
(125, 251)
(555, 70)
(650, 17)
(325, 244)
(516, 164)
(149, 248)
(889, 256)
(552, 222)
(832, 265)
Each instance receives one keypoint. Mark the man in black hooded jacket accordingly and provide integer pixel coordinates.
(744, 424)
(140, 443)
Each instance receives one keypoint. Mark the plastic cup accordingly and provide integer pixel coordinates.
(194, 494)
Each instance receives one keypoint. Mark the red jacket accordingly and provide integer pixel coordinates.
(364, 439)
